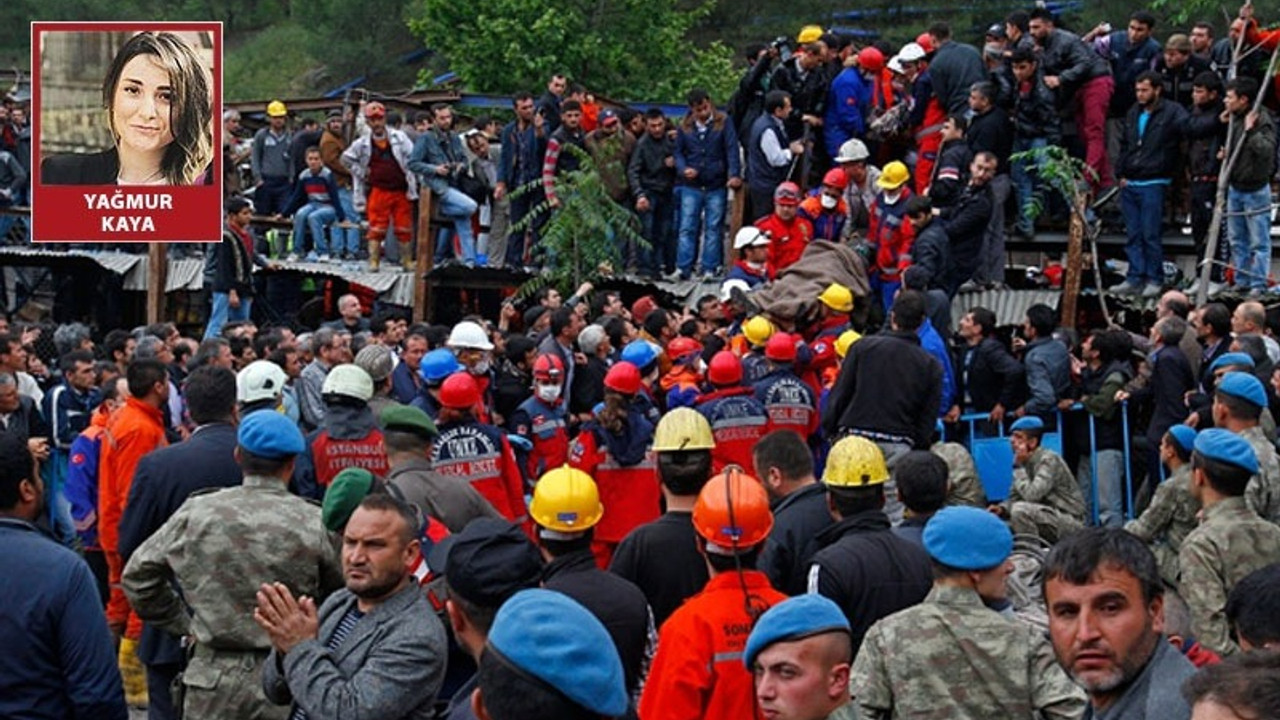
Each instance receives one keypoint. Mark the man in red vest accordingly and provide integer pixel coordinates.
(349, 436)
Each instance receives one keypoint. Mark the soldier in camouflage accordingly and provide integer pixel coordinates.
(1171, 516)
(219, 548)
(953, 657)
(1238, 402)
(963, 486)
(1045, 499)
(1231, 542)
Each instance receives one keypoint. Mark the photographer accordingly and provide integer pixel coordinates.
(747, 102)
(439, 160)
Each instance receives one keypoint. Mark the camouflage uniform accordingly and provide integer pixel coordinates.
(219, 547)
(1167, 521)
(1231, 542)
(1263, 493)
(1045, 499)
(963, 486)
(952, 658)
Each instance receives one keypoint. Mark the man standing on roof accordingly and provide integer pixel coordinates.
(381, 180)
(272, 170)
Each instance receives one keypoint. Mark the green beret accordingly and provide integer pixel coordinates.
(348, 488)
(406, 418)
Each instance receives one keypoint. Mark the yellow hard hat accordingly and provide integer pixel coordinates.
(855, 462)
(837, 297)
(275, 108)
(845, 341)
(758, 330)
(683, 429)
(894, 175)
(566, 500)
(809, 33)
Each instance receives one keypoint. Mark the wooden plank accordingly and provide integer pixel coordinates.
(157, 272)
(737, 209)
(425, 260)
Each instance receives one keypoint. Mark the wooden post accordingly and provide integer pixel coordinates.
(1075, 253)
(157, 272)
(736, 220)
(425, 259)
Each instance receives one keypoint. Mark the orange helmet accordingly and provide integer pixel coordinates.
(623, 377)
(724, 369)
(836, 178)
(459, 391)
(681, 347)
(548, 367)
(732, 512)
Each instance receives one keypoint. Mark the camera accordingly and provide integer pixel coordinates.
(783, 45)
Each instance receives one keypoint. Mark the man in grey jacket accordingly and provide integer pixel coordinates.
(375, 649)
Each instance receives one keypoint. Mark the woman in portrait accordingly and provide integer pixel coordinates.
(157, 94)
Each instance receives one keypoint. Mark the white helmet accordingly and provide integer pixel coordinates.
(726, 289)
(349, 380)
(911, 52)
(749, 236)
(260, 380)
(853, 150)
(467, 334)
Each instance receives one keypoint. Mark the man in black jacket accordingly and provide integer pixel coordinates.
(1148, 157)
(966, 221)
(163, 481)
(955, 67)
(1035, 125)
(989, 131)
(900, 415)
(1206, 135)
(991, 379)
(228, 269)
(651, 175)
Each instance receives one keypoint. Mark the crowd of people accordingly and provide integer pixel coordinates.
(587, 507)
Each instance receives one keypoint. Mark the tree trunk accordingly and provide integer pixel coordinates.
(1075, 258)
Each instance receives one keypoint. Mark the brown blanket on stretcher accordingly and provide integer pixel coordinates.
(798, 287)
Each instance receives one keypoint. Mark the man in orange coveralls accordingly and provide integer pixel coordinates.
(698, 672)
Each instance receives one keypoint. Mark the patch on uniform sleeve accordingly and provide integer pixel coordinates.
(78, 459)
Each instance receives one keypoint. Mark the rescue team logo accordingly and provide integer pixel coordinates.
(126, 132)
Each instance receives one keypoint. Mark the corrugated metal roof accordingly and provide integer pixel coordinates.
(1009, 306)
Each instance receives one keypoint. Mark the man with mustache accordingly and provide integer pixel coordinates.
(1106, 620)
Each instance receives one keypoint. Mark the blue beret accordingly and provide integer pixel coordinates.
(794, 619)
(270, 435)
(967, 538)
(1232, 358)
(550, 636)
(1027, 422)
(1227, 447)
(1184, 437)
(1244, 386)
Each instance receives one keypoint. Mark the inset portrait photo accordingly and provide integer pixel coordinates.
(128, 110)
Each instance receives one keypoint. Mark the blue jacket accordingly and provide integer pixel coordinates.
(712, 152)
(404, 383)
(58, 661)
(1048, 375)
(930, 340)
(849, 98)
(522, 153)
(69, 412)
(317, 188)
(433, 149)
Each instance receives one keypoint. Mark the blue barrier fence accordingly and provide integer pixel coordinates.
(988, 443)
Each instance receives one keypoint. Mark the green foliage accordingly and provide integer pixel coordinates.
(1058, 172)
(272, 63)
(583, 239)
(625, 48)
(359, 38)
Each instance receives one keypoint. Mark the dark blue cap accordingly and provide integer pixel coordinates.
(1227, 447)
(488, 562)
(1027, 422)
(1232, 358)
(1184, 437)
(1244, 386)
(551, 637)
(794, 619)
(967, 538)
(270, 435)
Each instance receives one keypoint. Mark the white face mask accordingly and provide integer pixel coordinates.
(892, 197)
(481, 367)
(548, 393)
(828, 202)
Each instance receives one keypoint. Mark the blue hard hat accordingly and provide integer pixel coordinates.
(438, 365)
(640, 353)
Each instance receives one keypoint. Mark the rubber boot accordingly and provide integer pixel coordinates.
(375, 248)
(406, 256)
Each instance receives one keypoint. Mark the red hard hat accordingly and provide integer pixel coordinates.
(824, 352)
(623, 377)
(836, 178)
(724, 369)
(781, 347)
(871, 59)
(788, 193)
(548, 367)
(459, 391)
(925, 40)
(682, 346)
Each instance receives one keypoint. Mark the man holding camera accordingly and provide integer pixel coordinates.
(439, 160)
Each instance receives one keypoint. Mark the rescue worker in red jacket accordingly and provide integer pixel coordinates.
(614, 450)
(698, 673)
(349, 436)
(738, 420)
(792, 403)
(683, 383)
(541, 419)
(476, 452)
(826, 209)
(790, 233)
